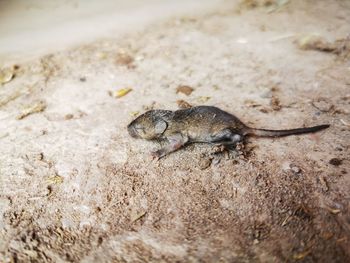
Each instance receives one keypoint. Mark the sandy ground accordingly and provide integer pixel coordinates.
(76, 188)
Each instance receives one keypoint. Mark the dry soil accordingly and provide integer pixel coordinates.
(76, 188)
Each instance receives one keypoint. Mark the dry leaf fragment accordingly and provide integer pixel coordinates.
(55, 179)
(187, 90)
(35, 108)
(120, 93)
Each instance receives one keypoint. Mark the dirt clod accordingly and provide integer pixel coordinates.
(335, 161)
(187, 90)
(183, 104)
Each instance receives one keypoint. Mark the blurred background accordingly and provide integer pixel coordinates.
(37, 26)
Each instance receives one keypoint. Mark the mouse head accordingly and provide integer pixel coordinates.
(150, 125)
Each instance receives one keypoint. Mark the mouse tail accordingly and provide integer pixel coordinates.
(280, 133)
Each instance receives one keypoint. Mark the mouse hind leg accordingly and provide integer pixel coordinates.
(226, 137)
(227, 141)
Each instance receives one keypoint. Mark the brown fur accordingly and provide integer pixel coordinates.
(199, 124)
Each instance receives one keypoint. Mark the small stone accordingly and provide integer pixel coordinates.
(204, 163)
(295, 169)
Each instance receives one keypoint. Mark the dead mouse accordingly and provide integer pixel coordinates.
(199, 124)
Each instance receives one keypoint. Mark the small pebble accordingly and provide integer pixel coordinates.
(204, 163)
(295, 169)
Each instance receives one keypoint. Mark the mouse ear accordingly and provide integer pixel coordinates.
(160, 126)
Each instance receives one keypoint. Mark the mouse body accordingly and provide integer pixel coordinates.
(205, 124)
